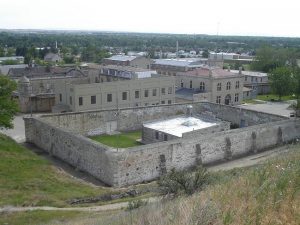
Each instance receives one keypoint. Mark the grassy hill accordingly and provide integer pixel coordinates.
(263, 194)
(260, 195)
(29, 180)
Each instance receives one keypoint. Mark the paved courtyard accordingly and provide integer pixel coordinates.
(279, 108)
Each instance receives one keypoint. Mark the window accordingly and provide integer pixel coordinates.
(146, 94)
(219, 86)
(218, 100)
(137, 94)
(109, 98)
(71, 100)
(236, 97)
(191, 84)
(181, 83)
(202, 86)
(256, 79)
(154, 92)
(93, 99)
(251, 79)
(246, 78)
(60, 97)
(228, 86)
(237, 85)
(169, 90)
(124, 95)
(156, 135)
(80, 100)
(169, 102)
(163, 91)
(165, 137)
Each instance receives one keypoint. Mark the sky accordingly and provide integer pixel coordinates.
(223, 17)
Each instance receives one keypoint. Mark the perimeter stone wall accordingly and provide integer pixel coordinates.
(120, 167)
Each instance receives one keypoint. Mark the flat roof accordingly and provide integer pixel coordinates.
(251, 73)
(180, 61)
(179, 125)
(122, 57)
(126, 68)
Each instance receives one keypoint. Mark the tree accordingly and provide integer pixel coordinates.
(8, 106)
(297, 86)
(281, 81)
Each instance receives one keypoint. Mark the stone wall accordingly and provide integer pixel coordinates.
(209, 130)
(239, 115)
(79, 151)
(144, 163)
(133, 118)
(148, 162)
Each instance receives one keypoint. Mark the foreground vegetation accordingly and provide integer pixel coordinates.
(28, 180)
(264, 194)
(122, 140)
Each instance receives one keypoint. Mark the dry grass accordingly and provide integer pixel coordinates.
(265, 194)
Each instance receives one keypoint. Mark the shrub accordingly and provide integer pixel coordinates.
(183, 182)
(136, 204)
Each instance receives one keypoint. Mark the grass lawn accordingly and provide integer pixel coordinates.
(123, 140)
(26, 179)
(251, 101)
(269, 97)
(39, 217)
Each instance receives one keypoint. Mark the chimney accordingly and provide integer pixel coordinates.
(189, 110)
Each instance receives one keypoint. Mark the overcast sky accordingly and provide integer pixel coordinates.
(226, 17)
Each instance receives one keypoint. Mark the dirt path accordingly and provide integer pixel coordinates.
(115, 206)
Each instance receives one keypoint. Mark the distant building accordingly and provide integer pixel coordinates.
(125, 60)
(16, 73)
(210, 84)
(85, 95)
(257, 81)
(36, 93)
(4, 69)
(18, 59)
(231, 57)
(52, 57)
(173, 66)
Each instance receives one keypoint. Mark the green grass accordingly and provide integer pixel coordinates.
(29, 180)
(269, 97)
(123, 140)
(39, 217)
(251, 101)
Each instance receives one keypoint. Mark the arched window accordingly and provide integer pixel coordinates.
(202, 86)
(237, 85)
(219, 86)
(228, 86)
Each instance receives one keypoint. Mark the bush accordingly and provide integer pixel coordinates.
(135, 204)
(183, 182)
